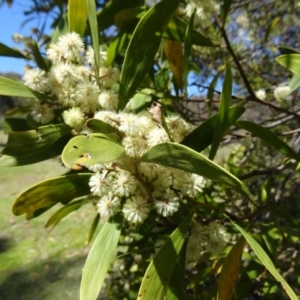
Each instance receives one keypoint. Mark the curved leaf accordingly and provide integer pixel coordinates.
(183, 158)
(143, 46)
(269, 137)
(266, 261)
(51, 191)
(99, 259)
(10, 52)
(93, 228)
(100, 126)
(230, 271)
(291, 62)
(222, 116)
(32, 142)
(9, 87)
(159, 271)
(77, 16)
(64, 211)
(39, 59)
(85, 151)
(92, 16)
(202, 136)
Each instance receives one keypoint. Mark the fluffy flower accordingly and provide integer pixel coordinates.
(42, 113)
(36, 80)
(281, 92)
(136, 209)
(261, 94)
(109, 76)
(192, 184)
(108, 205)
(124, 184)
(168, 205)
(134, 146)
(87, 97)
(73, 117)
(71, 45)
(108, 100)
(99, 184)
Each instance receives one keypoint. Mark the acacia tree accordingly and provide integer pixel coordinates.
(177, 221)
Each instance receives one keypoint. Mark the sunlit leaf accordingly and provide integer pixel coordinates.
(99, 259)
(85, 151)
(77, 15)
(291, 62)
(100, 126)
(51, 191)
(266, 261)
(156, 279)
(183, 158)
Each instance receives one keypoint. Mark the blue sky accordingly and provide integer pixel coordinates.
(10, 22)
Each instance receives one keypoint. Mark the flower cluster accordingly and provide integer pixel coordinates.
(205, 239)
(205, 10)
(125, 184)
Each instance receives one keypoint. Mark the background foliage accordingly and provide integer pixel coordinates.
(260, 149)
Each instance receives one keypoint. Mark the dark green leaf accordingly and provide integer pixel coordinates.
(266, 261)
(100, 126)
(116, 46)
(225, 9)
(14, 124)
(77, 15)
(187, 49)
(176, 31)
(85, 151)
(222, 116)
(202, 136)
(32, 142)
(61, 29)
(51, 191)
(39, 59)
(99, 260)
(93, 228)
(9, 52)
(287, 50)
(183, 158)
(64, 211)
(269, 137)
(52, 151)
(143, 46)
(159, 271)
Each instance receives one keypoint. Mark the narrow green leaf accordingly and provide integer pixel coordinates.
(230, 271)
(269, 137)
(51, 191)
(99, 260)
(156, 279)
(39, 59)
(288, 50)
(202, 136)
(140, 101)
(183, 158)
(65, 211)
(85, 151)
(9, 52)
(100, 126)
(225, 9)
(291, 62)
(14, 124)
(176, 31)
(77, 16)
(222, 116)
(266, 261)
(143, 46)
(294, 83)
(61, 29)
(187, 50)
(9, 87)
(92, 15)
(32, 142)
(93, 228)
(116, 46)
